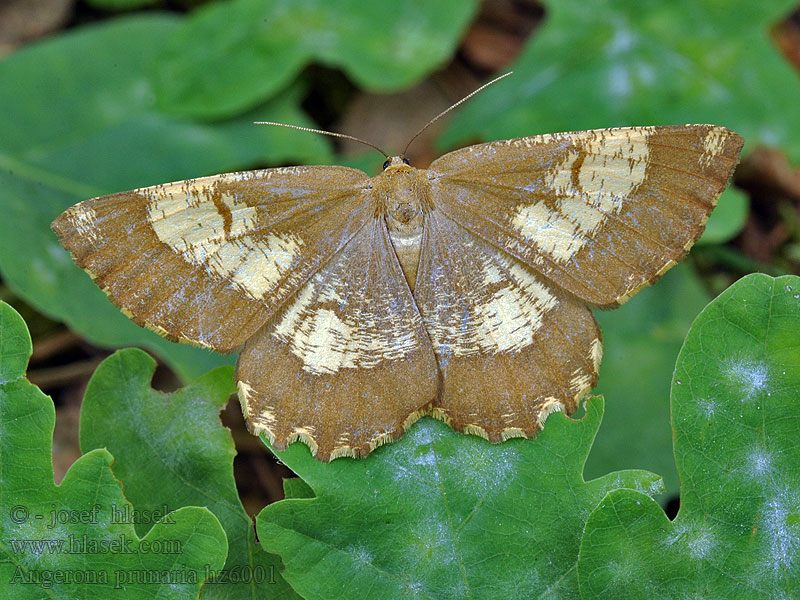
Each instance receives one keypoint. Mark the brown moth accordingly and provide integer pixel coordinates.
(461, 291)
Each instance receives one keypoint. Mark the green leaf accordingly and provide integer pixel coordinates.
(297, 488)
(170, 451)
(735, 416)
(439, 514)
(232, 55)
(728, 217)
(632, 62)
(79, 120)
(64, 541)
(15, 345)
(641, 340)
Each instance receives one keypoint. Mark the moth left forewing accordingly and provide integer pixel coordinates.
(600, 212)
(511, 347)
(209, 260)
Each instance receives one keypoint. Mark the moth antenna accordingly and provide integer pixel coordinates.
(323, 132)
(444, 112)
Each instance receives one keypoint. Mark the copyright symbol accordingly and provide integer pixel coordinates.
(19, 514)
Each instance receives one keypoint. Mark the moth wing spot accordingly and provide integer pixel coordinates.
(590, 184)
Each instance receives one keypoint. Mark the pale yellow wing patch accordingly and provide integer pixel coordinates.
(329, 339)
(220, 225)
(216, 233)
(506, 302)
(603, 171)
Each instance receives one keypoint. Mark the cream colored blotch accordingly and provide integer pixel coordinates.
(713, 145)
(609, 168)
(197, 230)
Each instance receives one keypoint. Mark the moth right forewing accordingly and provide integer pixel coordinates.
(209, 260)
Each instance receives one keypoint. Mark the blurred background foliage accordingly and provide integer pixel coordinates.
(102, 96)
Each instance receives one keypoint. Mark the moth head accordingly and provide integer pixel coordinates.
(396, 161)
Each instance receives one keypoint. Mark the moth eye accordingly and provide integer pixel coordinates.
(405, 161)
(386, 164)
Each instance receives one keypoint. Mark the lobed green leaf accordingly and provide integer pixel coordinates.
(735, 418)
(171, 451)
(65, 541)
(641, 340)
(439, 514)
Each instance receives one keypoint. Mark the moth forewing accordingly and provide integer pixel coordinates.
(600, 213)
(208, 261)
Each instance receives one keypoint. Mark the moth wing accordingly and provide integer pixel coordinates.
(347, 365)
(601, 212)
(209, 260)
(511, 347)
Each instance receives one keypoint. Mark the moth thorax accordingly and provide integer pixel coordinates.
(402, 214)
(403, 192)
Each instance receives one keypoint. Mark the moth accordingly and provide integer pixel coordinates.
(361, 303)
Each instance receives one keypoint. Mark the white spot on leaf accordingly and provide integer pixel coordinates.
(751, 377)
